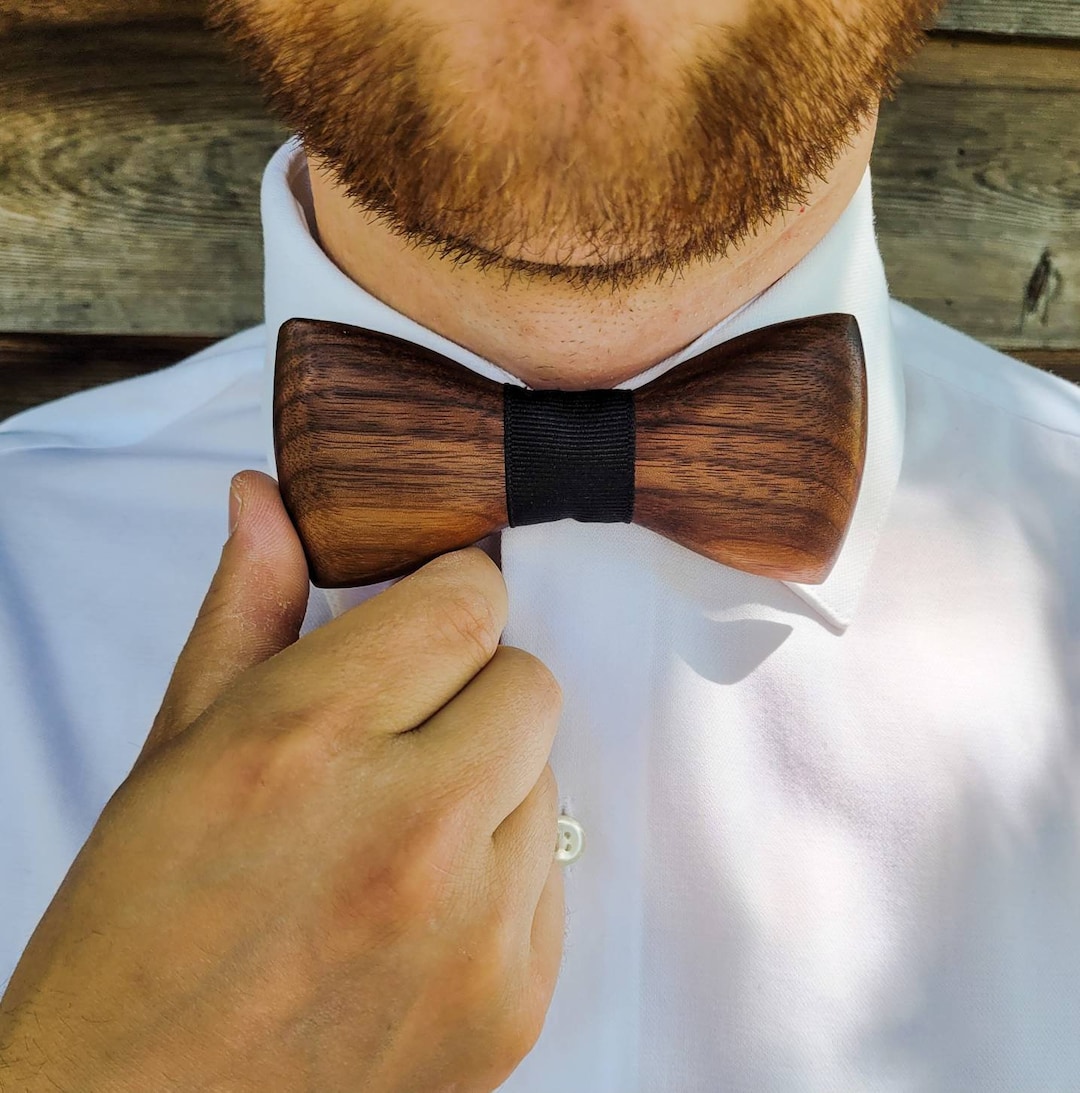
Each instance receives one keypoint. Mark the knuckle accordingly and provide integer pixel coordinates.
(534, 676)
(471, 568)
(547, 791)
(467, 615)
(523, 1020)
(541, 803)
(491, 968)
(522, 1032)
(468, 566)
(472, 561)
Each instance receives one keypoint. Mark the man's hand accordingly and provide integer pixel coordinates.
(331, 867)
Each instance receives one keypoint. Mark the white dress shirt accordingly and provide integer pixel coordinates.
(833, 832)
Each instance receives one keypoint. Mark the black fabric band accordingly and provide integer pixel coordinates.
(568, 454)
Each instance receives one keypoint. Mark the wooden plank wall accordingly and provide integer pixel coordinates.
(131, 152)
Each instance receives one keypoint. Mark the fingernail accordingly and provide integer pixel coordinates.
(236, 504)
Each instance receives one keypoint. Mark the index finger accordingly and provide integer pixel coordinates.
(392, 661)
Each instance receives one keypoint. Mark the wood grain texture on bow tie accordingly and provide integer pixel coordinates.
(389, 454)
(752, 453)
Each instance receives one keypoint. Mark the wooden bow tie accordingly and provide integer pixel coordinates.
(389, 454)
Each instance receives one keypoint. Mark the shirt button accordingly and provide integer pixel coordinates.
(570, 841)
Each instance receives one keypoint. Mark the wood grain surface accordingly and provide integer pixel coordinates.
(36, 368)
(1053, 18)
(752, 452)
(20, 14)
(387, 454)
(977, 175)
(129, 203)
(1036, 18)
(129, 190)
(1064, 363)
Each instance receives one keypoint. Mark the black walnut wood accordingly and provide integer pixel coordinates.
(387, 453)
(751, 453)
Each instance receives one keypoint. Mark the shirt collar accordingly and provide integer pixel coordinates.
(842, 273)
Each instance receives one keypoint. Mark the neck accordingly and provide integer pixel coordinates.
(551, 337)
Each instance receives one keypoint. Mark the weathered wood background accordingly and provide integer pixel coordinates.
(131, 150)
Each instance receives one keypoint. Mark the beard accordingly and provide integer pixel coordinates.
(646, 154)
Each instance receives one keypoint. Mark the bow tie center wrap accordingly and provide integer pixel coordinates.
(389, 454)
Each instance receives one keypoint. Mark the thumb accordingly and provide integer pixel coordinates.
(253, 609)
